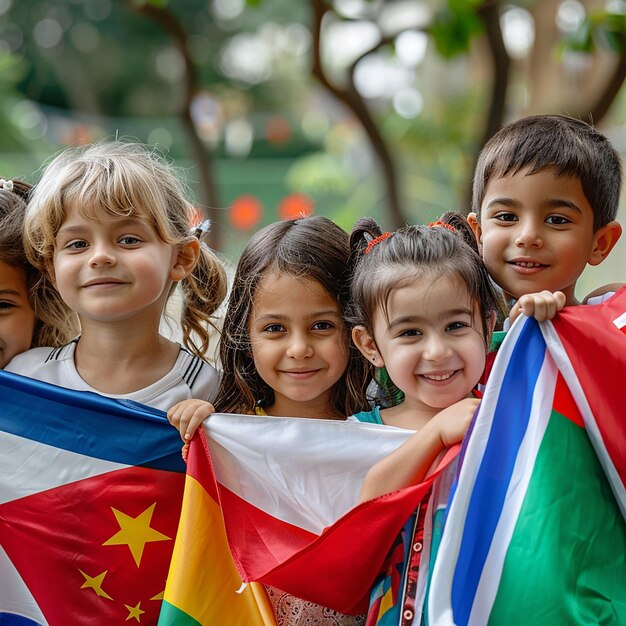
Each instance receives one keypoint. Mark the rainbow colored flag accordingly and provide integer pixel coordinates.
(536, 530)
(90, 497)
(286, 491)
(203, 586)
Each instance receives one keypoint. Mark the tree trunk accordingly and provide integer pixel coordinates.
(170, 24)
(353, 100)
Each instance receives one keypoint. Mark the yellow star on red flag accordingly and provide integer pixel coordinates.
(95, 583)
(135, 532)
(134, 611)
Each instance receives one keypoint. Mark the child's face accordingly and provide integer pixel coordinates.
(17, 318)
(432, 342)
(112, 269)
(536, 232)
(299, 344)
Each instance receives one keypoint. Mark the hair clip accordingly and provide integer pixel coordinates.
(202, 228)
(376, 241)
(6, 184)
(439, 224)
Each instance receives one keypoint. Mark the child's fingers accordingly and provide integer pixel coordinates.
(174, 416)
(187, 415)
(542, 306)
(560, 300)
(180, 416)
(195, 419)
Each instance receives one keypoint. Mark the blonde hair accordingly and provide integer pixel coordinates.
(55, 323)
(126, 180)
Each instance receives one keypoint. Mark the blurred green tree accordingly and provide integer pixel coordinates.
(421, 85)
(562, 56)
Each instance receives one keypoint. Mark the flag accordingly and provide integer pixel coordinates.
(287, 490)
(90, 497)
(203, 586)
(535, 532)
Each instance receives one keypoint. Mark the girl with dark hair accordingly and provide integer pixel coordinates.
(285, 350)
(423, 308)
(31, 312)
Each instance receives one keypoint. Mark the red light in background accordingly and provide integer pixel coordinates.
(295, 205)
(245, 212)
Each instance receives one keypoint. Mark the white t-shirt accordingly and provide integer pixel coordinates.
(190, 377)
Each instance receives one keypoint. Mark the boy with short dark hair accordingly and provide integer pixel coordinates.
(545, 197)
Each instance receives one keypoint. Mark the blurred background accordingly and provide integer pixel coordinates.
(273, 108)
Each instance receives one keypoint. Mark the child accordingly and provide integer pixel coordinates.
(285, 350)
(545, 197)
(108, 224)
(424, 308)
(22, 287)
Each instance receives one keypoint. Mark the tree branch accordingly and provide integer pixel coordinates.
(606, 98)
(489, 13)
(353, 100)
(172, 27)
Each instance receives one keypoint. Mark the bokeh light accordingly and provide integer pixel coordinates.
(245, 212)
(295, 205)
(277, 130)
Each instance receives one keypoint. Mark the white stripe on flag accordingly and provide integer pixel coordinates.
(307, 472)
(620, 322)
(15, 598)
(543, 396)
(37, 467)
(439, 601)
(566, 368)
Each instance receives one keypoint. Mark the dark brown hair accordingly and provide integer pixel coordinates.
(569, 146)
(55, 323)
(406, 254)
(310, 247)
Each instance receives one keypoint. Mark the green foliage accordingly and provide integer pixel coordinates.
(454, 27)
(613, 25)
(599, 29)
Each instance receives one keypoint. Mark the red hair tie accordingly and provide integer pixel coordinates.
(375, 241)
(439, 224)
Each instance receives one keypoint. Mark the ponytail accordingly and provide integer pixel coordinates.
(203, 291)
(459, 223)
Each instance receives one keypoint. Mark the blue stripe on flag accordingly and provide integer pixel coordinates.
(9, 619)
(491, 486)
(78, 421)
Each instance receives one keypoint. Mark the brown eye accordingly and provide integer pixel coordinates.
(322, 326)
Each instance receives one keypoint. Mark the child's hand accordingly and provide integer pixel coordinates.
(542, 306)
(409, 464)
(452, 423)
(188, 415)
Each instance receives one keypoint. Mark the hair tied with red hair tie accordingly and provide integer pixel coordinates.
(376, 241)
(440, 224)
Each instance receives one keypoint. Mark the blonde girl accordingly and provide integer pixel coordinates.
(108, 225)
(31, 312)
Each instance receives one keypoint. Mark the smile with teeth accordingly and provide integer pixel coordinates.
(439, 377)
(527, 264)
